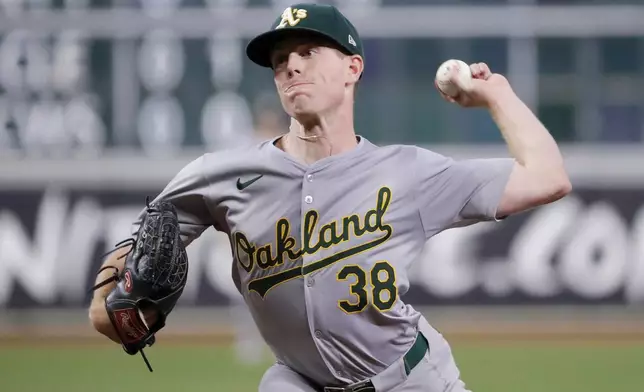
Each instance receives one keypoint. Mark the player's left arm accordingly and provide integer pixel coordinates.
(539, 175)
(186, 192)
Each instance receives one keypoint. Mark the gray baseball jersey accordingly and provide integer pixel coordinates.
(321, 251)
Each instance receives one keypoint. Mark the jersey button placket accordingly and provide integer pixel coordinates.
(309, 281)
(306, 206)
(308, 199)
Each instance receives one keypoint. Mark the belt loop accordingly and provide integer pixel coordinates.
(407, 368)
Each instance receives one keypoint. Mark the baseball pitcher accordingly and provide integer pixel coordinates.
(324, 225)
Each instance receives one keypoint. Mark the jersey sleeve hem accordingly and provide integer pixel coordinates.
(498, 186)
(207, 194)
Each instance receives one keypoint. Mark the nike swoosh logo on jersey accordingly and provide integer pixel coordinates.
(243, 185)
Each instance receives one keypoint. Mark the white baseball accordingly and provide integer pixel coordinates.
(442, 76)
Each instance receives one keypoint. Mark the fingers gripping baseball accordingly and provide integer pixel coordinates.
(469, 87)
(480, 71)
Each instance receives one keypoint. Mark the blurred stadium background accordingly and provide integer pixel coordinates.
(103, 101)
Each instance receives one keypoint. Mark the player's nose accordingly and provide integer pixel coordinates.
(294, 64)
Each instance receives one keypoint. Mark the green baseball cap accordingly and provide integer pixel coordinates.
(317, 19)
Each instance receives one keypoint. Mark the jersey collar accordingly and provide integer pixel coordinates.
(322, 163)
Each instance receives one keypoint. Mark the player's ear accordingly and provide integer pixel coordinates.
(356, 66)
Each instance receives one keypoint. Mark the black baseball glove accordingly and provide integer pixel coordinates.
(152, 280)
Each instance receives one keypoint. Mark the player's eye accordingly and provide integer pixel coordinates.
(278, 62)
(307, 52)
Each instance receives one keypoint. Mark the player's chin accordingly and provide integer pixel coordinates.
(302, 108)
(299, 99)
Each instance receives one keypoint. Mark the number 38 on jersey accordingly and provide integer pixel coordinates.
(376, 287)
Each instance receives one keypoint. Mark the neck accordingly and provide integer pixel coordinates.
(310, 140)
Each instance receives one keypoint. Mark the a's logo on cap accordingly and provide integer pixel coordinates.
(291, 16)
(352, 41)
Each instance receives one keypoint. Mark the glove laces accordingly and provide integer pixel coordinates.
(115, 276)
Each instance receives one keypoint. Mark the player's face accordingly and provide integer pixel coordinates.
(311, 77)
